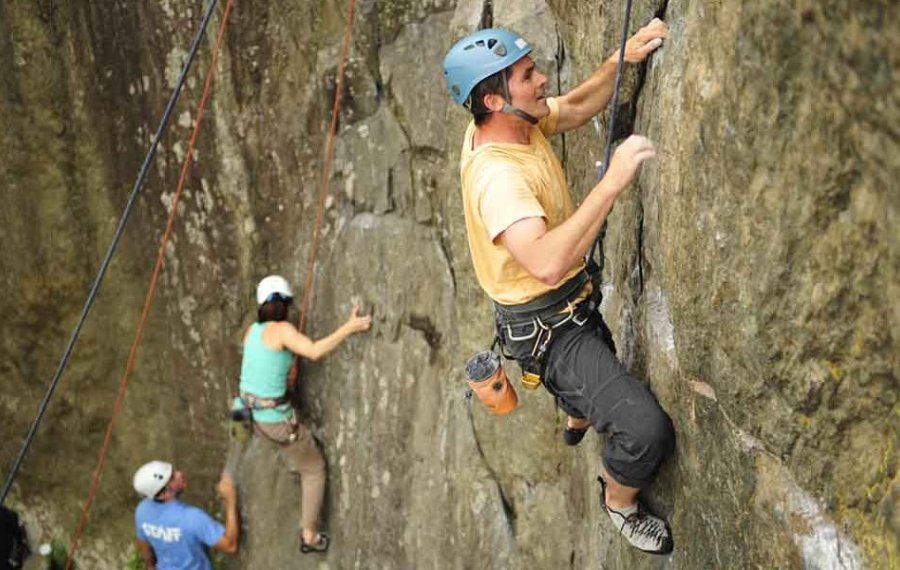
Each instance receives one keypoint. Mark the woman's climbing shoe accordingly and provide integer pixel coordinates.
(574, 436)
(320, 545)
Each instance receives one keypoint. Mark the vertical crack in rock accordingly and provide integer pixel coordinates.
(661, 12)
(508, 510)
(640, 248)
(487, 15)
(560, 61)
(443, 243)
(624, 128)
(628, 109)
(389, 191)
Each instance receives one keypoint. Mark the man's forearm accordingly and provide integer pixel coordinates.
(590, 97)
(232, 528)
(594, 93)
(581, 229)
(623, 169)
(549, 255)
(147, 554)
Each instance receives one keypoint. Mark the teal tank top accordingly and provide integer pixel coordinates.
(264, 374)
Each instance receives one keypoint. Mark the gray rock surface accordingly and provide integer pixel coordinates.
(752, 277)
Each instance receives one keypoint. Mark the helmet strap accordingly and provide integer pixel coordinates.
(509, 109)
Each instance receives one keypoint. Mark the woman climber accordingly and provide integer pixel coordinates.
(269, 348)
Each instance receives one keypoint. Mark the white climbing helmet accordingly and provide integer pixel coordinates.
(273, 285)
(152, 478)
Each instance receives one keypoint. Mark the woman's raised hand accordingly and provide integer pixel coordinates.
(358, 323)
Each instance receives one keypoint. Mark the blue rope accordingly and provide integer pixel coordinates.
(607, 153)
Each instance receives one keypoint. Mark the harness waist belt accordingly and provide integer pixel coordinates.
(546, 306)
(257, 403)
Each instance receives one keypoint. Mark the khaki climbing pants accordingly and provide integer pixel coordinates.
(302, 456)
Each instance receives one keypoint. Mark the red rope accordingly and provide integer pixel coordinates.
(148, 300)
(326, 167)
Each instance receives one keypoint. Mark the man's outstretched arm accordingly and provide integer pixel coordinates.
(579, 105)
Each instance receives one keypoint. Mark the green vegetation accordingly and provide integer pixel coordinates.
(59, 554)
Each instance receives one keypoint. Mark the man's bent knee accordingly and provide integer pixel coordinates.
(635, 452)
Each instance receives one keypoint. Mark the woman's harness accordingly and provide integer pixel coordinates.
(250, 402)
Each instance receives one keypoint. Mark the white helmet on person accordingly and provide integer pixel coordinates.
(152, 478)
(271, 286)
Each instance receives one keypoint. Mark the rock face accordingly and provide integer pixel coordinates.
(752, 277)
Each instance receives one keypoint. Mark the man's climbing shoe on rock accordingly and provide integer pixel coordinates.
(574, 436)
(320, 545)
(642, 529)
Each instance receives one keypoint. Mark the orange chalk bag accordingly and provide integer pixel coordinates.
(488, 380)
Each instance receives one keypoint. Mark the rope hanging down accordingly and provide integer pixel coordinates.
(607, 152)
(107, 259)
(132, 356)
(326, 170)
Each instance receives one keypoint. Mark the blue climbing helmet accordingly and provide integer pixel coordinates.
(478, 56)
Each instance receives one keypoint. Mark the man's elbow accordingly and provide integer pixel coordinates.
(550, 275)
(579, 114)
(229, 546)
(580, 120)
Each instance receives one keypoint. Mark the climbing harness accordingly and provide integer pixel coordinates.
(243, 406)
(256, 403)
(527, 331)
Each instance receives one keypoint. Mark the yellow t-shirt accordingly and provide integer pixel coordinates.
(503, 183)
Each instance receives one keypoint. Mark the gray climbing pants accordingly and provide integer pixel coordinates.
(582, 371)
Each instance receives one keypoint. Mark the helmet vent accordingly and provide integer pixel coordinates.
(500, 50)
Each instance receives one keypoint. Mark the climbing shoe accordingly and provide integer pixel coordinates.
(574, 436)
(642, 529)
(320, 545)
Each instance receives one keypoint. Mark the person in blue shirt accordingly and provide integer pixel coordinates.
(269, 348)
(172, 535)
